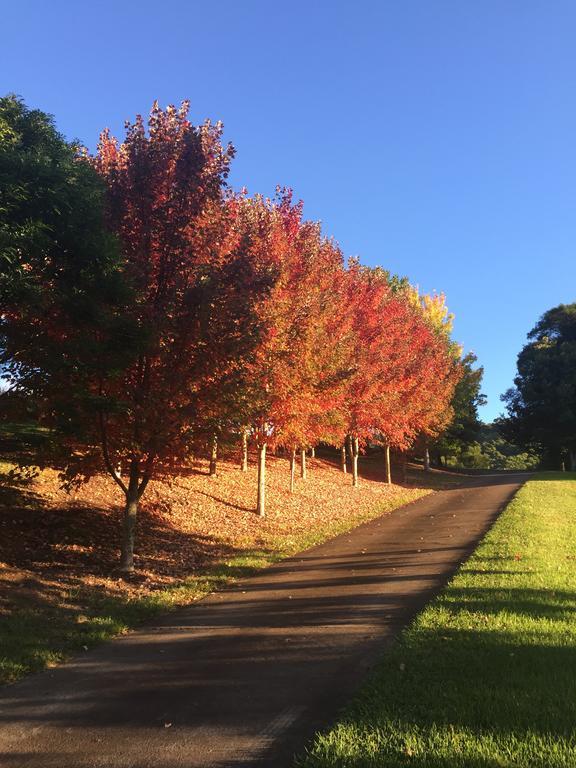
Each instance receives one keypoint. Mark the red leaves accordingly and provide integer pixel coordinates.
(248, 315)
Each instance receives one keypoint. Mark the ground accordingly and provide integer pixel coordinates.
(249, 673)
(58, 588)
(485, 676)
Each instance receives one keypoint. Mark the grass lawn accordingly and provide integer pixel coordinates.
(58, 590)
(485, 677)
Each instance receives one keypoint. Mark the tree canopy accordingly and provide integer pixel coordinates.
(465, 426)
(542, 404)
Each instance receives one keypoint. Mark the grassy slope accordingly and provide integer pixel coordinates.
(486, 675)
(38, 632)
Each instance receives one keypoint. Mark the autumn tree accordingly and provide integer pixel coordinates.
(405, 367)
(440, 371)
(130, 398)
(297, 372)
(384, 343)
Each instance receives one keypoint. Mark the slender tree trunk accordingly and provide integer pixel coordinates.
(403, 467)
(313, 452)
(214, 455)
(303, 474)
(355, 452)
(350, 449)
(292, 468)
(387, 464)
(130, 517)
(261, 502)
(426, 459)
(343, 459)
(244, 462)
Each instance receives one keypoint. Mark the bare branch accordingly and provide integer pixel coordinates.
(107, 460)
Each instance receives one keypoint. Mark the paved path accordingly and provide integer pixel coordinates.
(246, 676)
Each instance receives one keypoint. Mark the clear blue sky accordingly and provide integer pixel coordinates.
(437, 139)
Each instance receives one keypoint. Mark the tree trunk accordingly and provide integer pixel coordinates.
(244, 462)
(349, 446)
(303, 463)
(354, 461)
(130, 517)
(343, 459)
(214, 455)
(403, 467)
(426, 459)
(313, 452)
(292, 468)
(261, 503)
(387, 464)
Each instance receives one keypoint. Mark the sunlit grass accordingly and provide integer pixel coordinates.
(486, 675)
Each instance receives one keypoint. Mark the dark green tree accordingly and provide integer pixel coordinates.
(61, 289)
(465, 427)
(542, 404)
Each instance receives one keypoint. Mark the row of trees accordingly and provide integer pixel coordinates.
(149, 308)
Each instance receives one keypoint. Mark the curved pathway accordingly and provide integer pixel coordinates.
(246, 676)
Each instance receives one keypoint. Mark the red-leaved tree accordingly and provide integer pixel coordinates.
(191, 296)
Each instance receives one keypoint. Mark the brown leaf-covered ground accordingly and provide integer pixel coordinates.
(58, 551)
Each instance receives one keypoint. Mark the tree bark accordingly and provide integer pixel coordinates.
(426, 459)
(355, 452)
(387, 464)
(313, 452)
(244, 462)
(292, 468)
(214, 455)
(349, 446)
(261, 502)
(130, 517)
(343, 459)
(303, 463)
(403, 467)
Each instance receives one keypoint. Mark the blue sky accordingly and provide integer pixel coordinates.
(437, 139)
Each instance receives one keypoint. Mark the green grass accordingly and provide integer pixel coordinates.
(41, 633)
(485, 677)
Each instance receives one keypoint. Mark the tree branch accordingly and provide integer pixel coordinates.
(109, 465)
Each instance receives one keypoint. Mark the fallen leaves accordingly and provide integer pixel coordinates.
(56, 543)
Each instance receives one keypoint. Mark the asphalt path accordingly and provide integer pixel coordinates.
(246, 676)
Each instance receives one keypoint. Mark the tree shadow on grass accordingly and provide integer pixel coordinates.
(371, 467)
(501, 691)
(220, 500)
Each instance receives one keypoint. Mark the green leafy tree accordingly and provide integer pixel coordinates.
(58, 268)
(542, 404)
(501, 453)
(465, 426)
